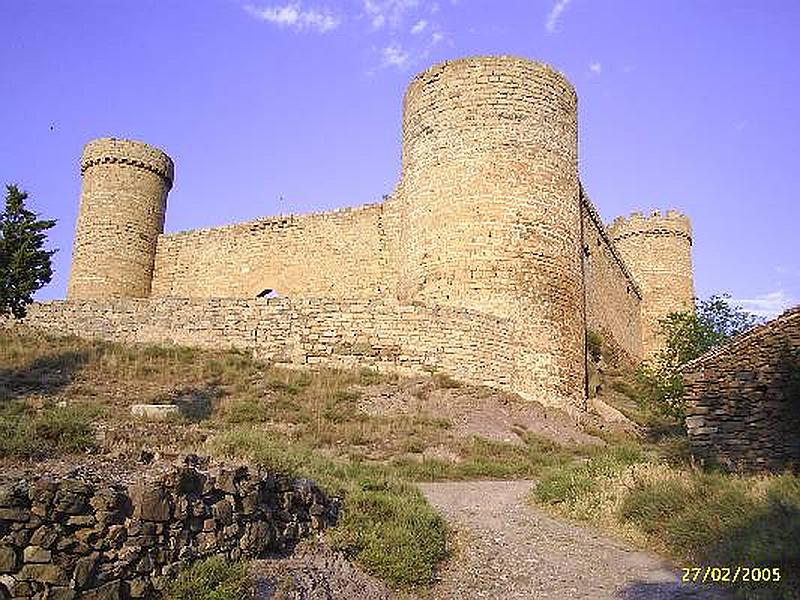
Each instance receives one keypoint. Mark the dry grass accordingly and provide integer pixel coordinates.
(323, 409)
(694, 516)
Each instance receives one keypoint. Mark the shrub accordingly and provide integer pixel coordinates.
(444, 381)
(568, 484)
(687, 335)
(697, 517)
(594, 344)
(26, 433)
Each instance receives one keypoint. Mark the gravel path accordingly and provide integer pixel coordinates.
(508, 549)
(314, 572)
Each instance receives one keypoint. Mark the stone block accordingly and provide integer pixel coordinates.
(84, 571)
(155, 412)
(37, 554)
(9, 559)
(151, 503)
(108, 591)
(43, 573)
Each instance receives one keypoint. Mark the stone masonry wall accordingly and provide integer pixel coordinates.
(123, 200)
(470, 346)
(90, 535)
(658, 251)
(340, 254)
(613, 299)
(489, 190)
(743, 399)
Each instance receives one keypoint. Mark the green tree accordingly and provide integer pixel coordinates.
(24, 264)
(687, 335)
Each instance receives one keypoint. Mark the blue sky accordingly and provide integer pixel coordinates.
(278, 106)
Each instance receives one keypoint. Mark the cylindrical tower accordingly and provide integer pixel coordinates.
(123, 200)
(492, 217)
(658, 251)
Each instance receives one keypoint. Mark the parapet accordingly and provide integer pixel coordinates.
(128, 152)
(495, 68)
(672, 222)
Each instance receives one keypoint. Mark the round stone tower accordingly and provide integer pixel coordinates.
(123, 200)
(490, 196)
(658, 251)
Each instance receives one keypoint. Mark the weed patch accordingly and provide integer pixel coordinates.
(26, 433)
(699, 518)
(386, 525)
(213, 578)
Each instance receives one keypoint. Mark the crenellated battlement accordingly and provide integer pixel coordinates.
(128, 152)
(670, 222)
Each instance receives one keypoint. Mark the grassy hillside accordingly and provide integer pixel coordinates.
(367, 436)
(360, 434)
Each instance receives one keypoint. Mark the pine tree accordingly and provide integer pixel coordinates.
(24, 264)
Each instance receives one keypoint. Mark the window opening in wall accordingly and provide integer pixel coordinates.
(268, 293)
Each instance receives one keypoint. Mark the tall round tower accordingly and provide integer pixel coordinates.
(492, 219)
(658, 251)
(123, 200)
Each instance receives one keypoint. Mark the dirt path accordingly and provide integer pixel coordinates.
(509, 549)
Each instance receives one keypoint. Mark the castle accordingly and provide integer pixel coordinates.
(488, 261)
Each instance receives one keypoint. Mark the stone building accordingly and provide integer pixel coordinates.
(743, 398)
(488, 260)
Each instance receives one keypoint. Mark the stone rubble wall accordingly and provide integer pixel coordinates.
(470, 346)
(613, 299)
(83, 536)
(743, 399)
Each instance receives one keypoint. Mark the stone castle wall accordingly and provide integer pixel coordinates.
(467, 345)
(341, 254)
(487, 216)
(743, 399)
(613, 298)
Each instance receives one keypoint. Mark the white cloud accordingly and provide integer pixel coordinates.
(294, 16)
(596, 68)
(419, 26)
(767, 305)
(555, 13)
(394, 56)
(391, 12)
(437, 37)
